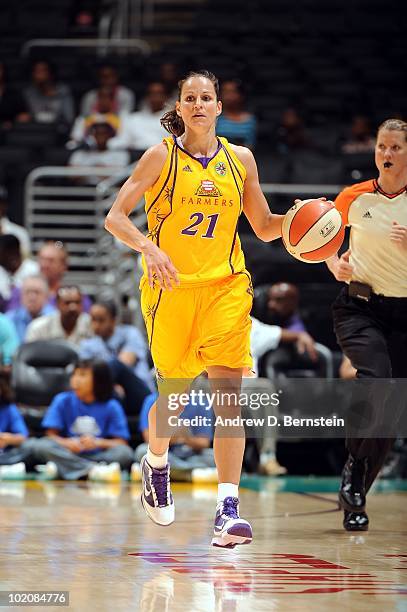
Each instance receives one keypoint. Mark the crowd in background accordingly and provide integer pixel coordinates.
(109, 127)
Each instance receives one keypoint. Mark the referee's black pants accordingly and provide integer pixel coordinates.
(373, 335)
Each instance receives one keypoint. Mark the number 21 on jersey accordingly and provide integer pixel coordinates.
(198, 217)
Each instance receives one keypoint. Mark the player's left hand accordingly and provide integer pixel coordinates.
(398, 235)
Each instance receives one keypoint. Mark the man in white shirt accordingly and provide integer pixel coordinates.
(143, 129)
(67, 323)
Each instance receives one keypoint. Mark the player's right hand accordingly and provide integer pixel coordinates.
(159, 267)
(343, 270)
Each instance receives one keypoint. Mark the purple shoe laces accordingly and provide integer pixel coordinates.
(230, 507)
(159, 479)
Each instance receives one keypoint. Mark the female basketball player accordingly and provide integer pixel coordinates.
(196, 294)
(370, 315)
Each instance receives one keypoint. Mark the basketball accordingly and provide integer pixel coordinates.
(312, 231)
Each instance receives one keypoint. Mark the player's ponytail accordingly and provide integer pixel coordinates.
(171, 121)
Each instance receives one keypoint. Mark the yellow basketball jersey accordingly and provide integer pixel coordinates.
(193, 211)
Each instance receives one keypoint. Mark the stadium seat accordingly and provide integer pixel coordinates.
(40, 370)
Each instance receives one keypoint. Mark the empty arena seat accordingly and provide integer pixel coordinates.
(42, 369)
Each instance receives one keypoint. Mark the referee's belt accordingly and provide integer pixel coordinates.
(364, 292)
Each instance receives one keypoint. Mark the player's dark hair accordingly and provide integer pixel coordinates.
(171, 121)
(102, 378)
(396, 125)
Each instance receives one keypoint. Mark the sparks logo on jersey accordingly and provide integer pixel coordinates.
(367, 215)
(220, 168)
(187, 168)
(208, 188)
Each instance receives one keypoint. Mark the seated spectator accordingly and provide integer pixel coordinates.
(34, 304)
(169, 75)
(112, 340)
(80, 135)
(143, 129)
(53, 260)
(47, 100)
(68, 322)
(190, 448)
(100, 132)
(8, 227)
(265, 338)
(16, 450)
(13, 270)
(12, 106)
(236, 123)
(291, 134)
(86, 426)
(8, 343)
(361, 138)
(123, 98)
(282, 307)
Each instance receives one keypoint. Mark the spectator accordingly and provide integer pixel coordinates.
(86, 426)
(47, 100)
(8, 342)
(53, 260)
(34, 304)
(265, 338)
(190, 447)
(123, 98)
(143, 129)
(100, 132)
(13, 270)
(12, 106)
(282, 307)
(235, 123)
(8, 227)
(168, 75)
(16, 449)
(291, 134)
(68, 322)
(122, 342)
(361, 138)
(80, 130)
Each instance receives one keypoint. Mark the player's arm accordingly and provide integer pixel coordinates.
(117, 222)
(145, 174)
(266, 225)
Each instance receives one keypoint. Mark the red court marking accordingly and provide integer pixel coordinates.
(264, 573)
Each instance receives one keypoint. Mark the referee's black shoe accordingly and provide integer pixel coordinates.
(355, 521)
(352, 494)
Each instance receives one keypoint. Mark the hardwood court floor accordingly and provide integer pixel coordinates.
(95, 541)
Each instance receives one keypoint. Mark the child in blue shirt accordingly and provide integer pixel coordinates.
(86, 426)
(16, 450)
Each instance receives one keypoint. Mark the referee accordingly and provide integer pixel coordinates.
(370, 313)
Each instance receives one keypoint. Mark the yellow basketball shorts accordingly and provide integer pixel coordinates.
(190, 329)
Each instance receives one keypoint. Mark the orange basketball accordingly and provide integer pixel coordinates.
(312, 231)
